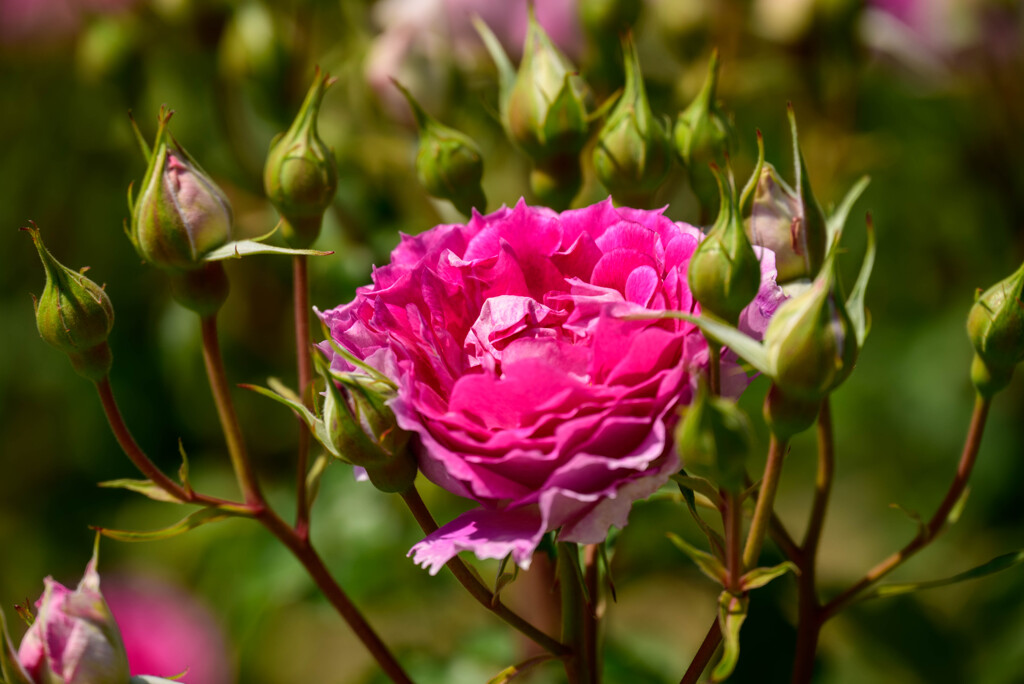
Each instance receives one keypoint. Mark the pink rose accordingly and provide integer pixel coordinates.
(529, 390)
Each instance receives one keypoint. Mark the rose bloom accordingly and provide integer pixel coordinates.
(529, 389)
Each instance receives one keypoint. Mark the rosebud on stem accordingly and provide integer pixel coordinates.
(713, 440)
(995, 326)
(300, 176)
(449, 163)
(74, 315)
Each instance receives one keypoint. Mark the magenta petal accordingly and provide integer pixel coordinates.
(487, 533)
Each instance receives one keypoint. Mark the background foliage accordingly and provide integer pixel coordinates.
(925, 97)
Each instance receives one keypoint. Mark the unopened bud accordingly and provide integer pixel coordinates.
(180, 214)
(74, 314)
(724, 272)
(363, 429)
(995, 326)
(449, 163)
(633, 153)
(713, 440)
(788, 416)
(300, 176)
(811, 340)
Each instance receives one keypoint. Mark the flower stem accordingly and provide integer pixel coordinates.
(765, 501)
(703, 656)
(937, 522)
(732, 521)
(592, 617)
(300, 287)
(474, 586)
(240, 462)
(580, 667)
(714, 367)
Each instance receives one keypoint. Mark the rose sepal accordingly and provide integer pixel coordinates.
(11, 670)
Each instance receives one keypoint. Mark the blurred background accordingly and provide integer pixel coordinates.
(926, 96)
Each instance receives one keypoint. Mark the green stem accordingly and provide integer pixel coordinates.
(240, 462)
(300, 286)
(578, 668)
(704, 653)
(592, 617)
(938, 520)
(732, 521)
(474, 586)
(765, 501)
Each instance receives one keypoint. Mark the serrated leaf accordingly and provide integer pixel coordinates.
(746, 347)
(241, 248)
(313, 477)
(710, 565)
(758, 577)
(189, 522)
(700, 486)
(732, 611)
(834, 224)
(1007, 560)
(10, 667)
(855, 302)
(513, 671)
(147, 488)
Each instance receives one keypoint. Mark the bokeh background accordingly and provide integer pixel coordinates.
(926, 96)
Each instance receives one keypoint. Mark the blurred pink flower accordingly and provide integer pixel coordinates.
(167, 631)
(530, 390)
(47, 20)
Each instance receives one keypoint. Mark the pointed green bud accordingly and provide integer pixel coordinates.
(301, 176)
(363, 429)
(713, 440)
(180, 214)
(633, 154)
(704, 135)
(811, 340)
(995, 326)
(74, 314)
(724, 273)
(547, 106)
(449, 163)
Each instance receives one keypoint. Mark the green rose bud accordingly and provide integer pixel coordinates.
(724, 273)
(713, 440)
(74, 314)
(180, 214)
(300, 176)
(449, 164)
(363, 429)
(788, 416)
(633, 153)
(995, 326)
(811, 341)
(703, 135)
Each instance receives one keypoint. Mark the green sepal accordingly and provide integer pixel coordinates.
(139, 138)
(292, 401)
(241, 248)
(748, 189)
(354, 360)
(316, 472)
(758, 577)
(815, 228)
(567, 112)
(605, 107)
(184, 468)
(573, 559)
(1003, 562)
(835, 223)
(732, 611)
(147, 488)
(690, 500)
(506, 72)
(709, 564)
(189, 522)
(11, 670)
(855, 308)
(503, 578)
(699, 485)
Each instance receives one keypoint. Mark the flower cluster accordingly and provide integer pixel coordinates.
(520, 367)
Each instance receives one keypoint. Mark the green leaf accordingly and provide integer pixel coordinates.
(710, 565)
(506, 72)
(1007, 560)
(714, 538)
(746, 347)
(290, 400)
(10, 667)
(835, 223)
(513, 671)
(145, 487)
(241, 248)
(190, 522)
(855, 302)
(700, 486)
(732, 611)
(313, 477)
(758, 577)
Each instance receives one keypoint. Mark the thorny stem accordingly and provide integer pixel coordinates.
(937, 522)
(474, 586)
(703, 656)
(300, 286)
(765, 501)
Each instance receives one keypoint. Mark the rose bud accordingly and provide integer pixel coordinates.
(180, 214)
(703, 135)
(995, 326)
(789, 222)
(300, 176)
(449, 164)
(74, 638)
(74, 314)
(724, 273)
(633, 153)
(363, 429)
(713, 440)
(812, 342)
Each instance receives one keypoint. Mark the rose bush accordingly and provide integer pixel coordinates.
(528, 388)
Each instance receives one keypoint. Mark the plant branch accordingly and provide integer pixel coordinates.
(578, 668)
(300, 287)
(765, 501)
(703, 656)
